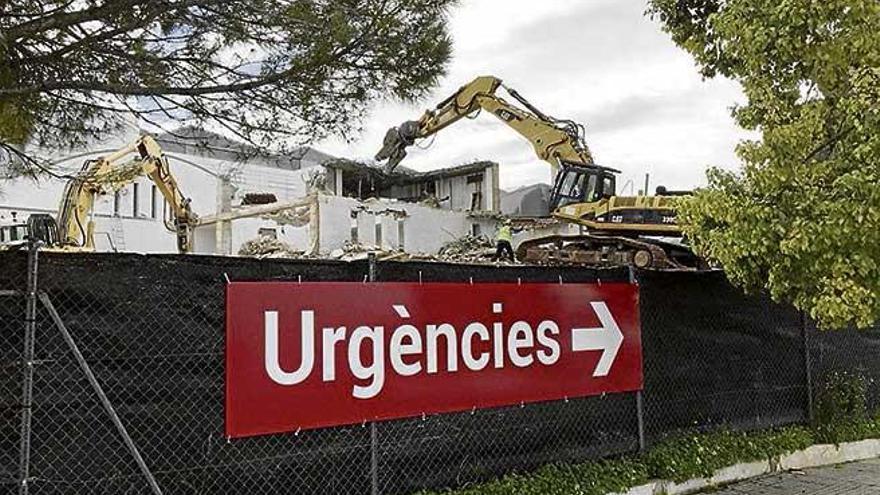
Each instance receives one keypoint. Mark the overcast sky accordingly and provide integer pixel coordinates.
(600, 62)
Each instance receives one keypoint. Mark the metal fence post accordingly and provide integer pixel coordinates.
(27, 394)
(99, 391)
(374, 436)
(808, 371)
(640, 399)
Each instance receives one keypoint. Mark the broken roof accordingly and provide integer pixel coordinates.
(404, 175)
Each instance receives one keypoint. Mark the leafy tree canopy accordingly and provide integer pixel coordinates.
(802, 217)
(270, 72)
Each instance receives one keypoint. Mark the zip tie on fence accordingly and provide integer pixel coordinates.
(226, 276)
(296, 433)
(423, 416)
(365, 278)
(364, 424)
(560, 280)
(518, 281)
(473, 410)
(299, 279)
(420, 277)
(472, 280)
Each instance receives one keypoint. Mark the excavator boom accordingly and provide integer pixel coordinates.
(554, 140)
(109, 173)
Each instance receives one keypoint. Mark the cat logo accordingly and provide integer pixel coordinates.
(506, 115)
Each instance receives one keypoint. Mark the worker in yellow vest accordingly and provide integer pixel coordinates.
(503, 242)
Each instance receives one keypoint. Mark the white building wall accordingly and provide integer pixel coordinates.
(127, 226)
(425, 229)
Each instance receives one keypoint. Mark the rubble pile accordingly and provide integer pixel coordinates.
(297, 217)
(267, 247)
(353, 251)
(469, 248)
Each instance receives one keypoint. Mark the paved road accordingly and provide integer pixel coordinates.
(858, 478)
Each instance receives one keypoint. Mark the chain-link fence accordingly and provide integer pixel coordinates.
(128, 375)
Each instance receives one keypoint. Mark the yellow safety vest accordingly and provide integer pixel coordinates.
(505, 234)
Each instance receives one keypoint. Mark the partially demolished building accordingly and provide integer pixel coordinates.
(312, 202)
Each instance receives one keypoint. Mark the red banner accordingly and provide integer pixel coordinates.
(322, 354)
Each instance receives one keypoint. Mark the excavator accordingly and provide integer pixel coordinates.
(615, 230)
(75, 227)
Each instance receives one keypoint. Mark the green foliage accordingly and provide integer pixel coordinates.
(841, 415)
(274, 73)
(677, 459)
(841, 411)
(802, 219)
(700, 455)
(592, 478)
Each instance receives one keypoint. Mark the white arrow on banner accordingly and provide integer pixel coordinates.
(608, 338)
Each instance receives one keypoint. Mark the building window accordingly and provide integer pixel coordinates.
(477, 193)
(475, 229)
(267, 232)
(154, 207)
(117, 202)
(379, 231)
(135, 199)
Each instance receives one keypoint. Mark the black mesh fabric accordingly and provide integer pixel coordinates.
(152, 330)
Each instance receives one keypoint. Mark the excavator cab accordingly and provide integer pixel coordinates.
(582, 183)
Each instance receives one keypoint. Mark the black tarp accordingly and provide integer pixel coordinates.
(152, 328)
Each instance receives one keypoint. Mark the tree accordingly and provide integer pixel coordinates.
(802, 218)
(272, 73)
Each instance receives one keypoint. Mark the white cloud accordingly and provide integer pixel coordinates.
(600, 62)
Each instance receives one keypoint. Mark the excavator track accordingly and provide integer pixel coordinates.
(595, 250)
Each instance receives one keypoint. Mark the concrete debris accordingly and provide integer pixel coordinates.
(431, 201)
(469, 248)
(258, 199)
(535, 223)
(316, 181)
(394, 213)
(267, 247)
(297, 217)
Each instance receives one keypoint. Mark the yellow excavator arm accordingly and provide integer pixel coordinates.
(583, 193)
(554, 140)
(109, 173)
